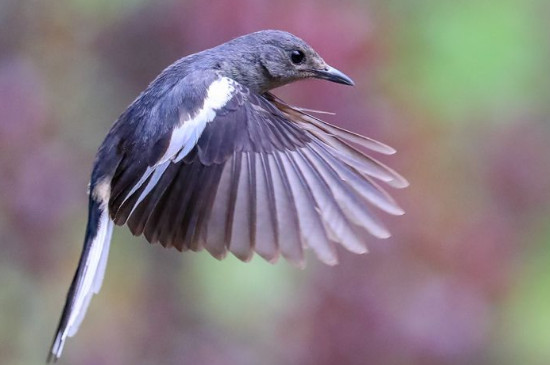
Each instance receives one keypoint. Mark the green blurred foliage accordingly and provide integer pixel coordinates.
(471, 56)
(525, 329)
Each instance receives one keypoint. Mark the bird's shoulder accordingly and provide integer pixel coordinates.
(180, 106)
(173, 98)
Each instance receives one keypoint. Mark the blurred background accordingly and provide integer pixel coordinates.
(460, 88)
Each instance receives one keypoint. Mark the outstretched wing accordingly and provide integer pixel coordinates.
(201, 162)
(234, 171)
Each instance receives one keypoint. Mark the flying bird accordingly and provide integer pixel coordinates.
(208, 158)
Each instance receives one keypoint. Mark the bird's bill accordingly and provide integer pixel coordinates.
(334, 75)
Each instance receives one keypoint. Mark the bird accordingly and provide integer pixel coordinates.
(207, 157)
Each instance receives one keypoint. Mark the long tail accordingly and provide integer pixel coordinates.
(88, 277)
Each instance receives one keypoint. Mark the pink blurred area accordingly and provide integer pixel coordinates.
(446, 288)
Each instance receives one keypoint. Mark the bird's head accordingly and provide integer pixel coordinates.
(275, 58)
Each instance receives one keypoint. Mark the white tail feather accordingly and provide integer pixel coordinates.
(89, 282)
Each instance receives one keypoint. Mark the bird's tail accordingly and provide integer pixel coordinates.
(89, 274)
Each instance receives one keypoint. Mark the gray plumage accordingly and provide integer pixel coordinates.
(260, 61)
(206, 157)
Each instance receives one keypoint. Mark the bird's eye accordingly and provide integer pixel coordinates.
(297, 57)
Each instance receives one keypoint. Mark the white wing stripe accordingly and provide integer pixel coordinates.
(186, 135)
(144, 177)
(157, 174)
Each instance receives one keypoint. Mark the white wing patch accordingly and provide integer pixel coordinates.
(186, 135)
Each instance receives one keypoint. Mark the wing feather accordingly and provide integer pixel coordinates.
(257, 176)
(363, 186)
(217, 221)
(239, 238)
(347, 199)
(267, 234)
(172, 209)
(312, 232)
(289, 241)
(336, 223)
(329, 129)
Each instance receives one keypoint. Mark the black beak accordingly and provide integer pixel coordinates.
(332, 74)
